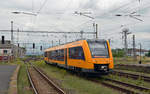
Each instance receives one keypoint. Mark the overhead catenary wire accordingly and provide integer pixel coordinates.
(140, 7)
(42, 6)
(120, 8)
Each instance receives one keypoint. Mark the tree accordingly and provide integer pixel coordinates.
(118, 52)
(148, 54)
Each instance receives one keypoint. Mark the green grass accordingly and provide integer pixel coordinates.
(72, 83)
(23, 84)
(134, 72)
(138, 82)
(139, 69)
(130, 60)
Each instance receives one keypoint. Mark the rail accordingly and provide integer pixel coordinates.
(31, 81)
(127, 91)
(46, 78)
(134, 76)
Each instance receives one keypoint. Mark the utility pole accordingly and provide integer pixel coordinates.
(17, 35)
(134, 50)
(59, 41)
(52, 43)
(126, 32)
(65, 38)
(12, 50)
(109, 41)
(18, 43)
(96, 31)
(94, 26)
(81, 34)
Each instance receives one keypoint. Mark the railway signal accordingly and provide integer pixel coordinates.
(33, 45)
(140, 53)
(41, 48)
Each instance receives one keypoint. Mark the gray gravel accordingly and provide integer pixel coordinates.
(6, 72)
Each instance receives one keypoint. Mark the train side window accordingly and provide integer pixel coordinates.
(57, 55)
(51, 54)
(76, 53)
(60, 55)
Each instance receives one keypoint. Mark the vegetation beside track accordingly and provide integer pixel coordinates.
(131, 60)
(72, 83)
(120, 61)
(138, 82)
(23, 83)
(134, 72)
(135, 68)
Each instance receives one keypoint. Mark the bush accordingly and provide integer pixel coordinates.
(148, 54)
(118, 53)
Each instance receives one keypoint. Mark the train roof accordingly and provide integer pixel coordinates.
(95, 40)
(73, 43)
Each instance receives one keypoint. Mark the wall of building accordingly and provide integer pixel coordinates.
(6, 54)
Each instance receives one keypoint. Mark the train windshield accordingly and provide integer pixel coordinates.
(98, 49)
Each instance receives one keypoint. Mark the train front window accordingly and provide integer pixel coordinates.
(98, 49)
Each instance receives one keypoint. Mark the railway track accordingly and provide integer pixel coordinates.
(41, 84)
(144, 68)
(121, 86)
(118, 88)
(31, 82)
(117, 85)
(141, 88)
(131, 75)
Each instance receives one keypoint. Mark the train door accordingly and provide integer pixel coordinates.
(66, 58)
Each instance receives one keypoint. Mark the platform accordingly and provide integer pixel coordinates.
(6, 72)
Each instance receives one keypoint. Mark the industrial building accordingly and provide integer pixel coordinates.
(9, 51)
(137, 52)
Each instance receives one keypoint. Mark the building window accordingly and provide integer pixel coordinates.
(5, 51)
(76, 53)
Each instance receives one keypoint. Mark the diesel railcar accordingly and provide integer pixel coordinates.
(88, 56)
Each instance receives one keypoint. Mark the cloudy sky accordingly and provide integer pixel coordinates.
(58, 15)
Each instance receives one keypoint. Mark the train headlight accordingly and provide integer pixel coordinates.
(104, 67)
(101, 67)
